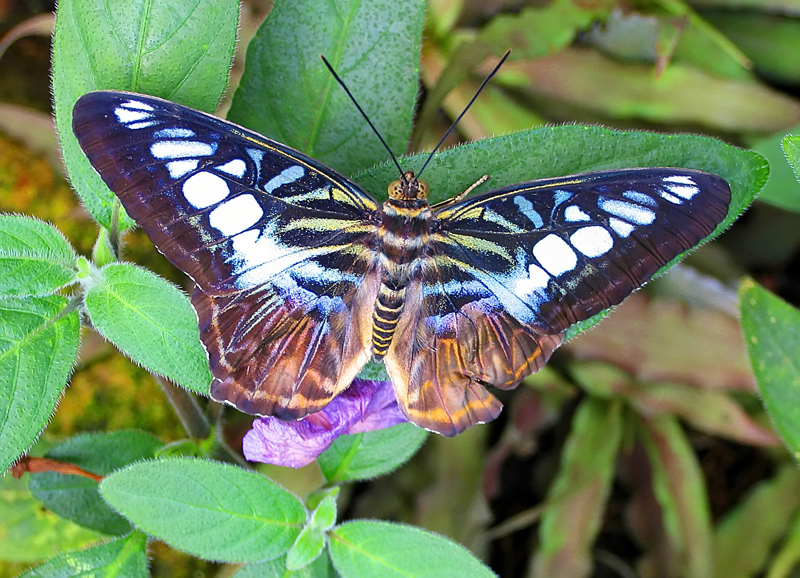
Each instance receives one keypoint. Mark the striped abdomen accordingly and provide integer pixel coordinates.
(403, 237)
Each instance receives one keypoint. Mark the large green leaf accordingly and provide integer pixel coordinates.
(212, 510)
(151, 322)
(177, 50)
(35, 259)
(38, 345)
(286, 93)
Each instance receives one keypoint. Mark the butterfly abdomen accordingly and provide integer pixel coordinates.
(403, 235)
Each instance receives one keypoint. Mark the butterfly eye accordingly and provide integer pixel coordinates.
(422, 190)
(396, 190)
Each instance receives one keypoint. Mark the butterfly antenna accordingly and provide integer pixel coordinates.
(463, 112)
(364, 114)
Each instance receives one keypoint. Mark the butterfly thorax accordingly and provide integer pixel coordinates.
(406, 221)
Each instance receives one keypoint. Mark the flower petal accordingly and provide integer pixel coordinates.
(362, 407)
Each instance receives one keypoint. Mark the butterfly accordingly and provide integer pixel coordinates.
(302, 277)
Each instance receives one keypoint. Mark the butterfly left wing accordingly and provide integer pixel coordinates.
(509, 271)
(280, 246)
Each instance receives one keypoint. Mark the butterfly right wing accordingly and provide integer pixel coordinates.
(509, 271)
(280, 246)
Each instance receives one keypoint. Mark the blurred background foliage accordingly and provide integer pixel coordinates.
(642, 449)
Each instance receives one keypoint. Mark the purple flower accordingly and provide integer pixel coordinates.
(362, 407)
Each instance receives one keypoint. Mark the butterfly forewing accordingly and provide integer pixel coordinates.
(275, 242)
(558, 251)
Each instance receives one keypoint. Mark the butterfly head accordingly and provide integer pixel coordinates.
(408, 188)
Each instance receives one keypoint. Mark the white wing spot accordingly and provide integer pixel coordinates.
(680, 179)
(175, 132)
(621, 228)
(639, 197)
(633, 213)
(537, 279)
(683, 191)
(143, 124)
(258, 256)
(177, 169)
(555, 255)
(177, 149)
(286, 176)
(236, 215)
(138, 105)
(126, 116)
(205, 189)
(236, 167)
(574, 213)
(671, 198)
(526, 208)
(592, 241)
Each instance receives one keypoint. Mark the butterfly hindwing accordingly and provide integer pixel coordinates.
(453, 340)
(274, 240)
(285, 349)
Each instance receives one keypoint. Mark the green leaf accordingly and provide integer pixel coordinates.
(577, 497)
(211, 510)
(77, 498)
(35, 258)
(531, 33)
(791, 148)
(374, 46)
(103, 252)
(38, 345)
(181, 51)
(770, 40)
(782, 190)
(151, 322)
(324, 517)
(374, 371)
(367, 455)
(306, 548)
(772, 331)
(738, 550)
(30, 533)
(368, 548)
(121, 558)
(680, 489)
(319, 568)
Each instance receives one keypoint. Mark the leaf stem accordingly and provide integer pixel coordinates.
(185, 405)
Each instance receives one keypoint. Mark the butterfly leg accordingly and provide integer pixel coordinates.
(461, 196)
